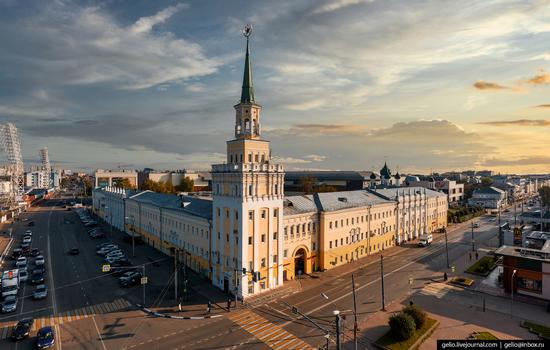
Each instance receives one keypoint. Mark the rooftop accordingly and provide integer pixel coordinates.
(542, 254)
(392, 192)
(201, 207)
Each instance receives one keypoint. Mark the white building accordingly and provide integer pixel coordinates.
(488, 198)
(37, 179)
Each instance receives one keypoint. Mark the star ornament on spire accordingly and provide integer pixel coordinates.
(247, 31)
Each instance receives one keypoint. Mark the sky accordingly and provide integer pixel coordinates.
(344, 84)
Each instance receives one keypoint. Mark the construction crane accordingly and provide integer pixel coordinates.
(11, 145)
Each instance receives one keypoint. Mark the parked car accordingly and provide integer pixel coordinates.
(28, 233)
(23, 275)
(17, 252)
(22, 329)
(129, 281)
(98, 235)
(21, 262)
(74, 251)
(91, 224)
(39, 261)
(31, 223)
(476, 225)
(35, 252)
(40, 292)
(41, 269)
(121, 262)
(425, 240)
(45, 338)
(101, 245)
(37, 278)
(9, 304)
(27, 239)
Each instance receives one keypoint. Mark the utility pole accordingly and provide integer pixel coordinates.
(382, 282)
(473, 242)
(515, 216)
(354, 313)
(143, 275)
(500, 238)
(338, 324)
(236, 287)
(176, 274)
(446, 246)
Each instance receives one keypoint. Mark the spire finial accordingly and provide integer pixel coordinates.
(247, 95)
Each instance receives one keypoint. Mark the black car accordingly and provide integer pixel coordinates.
(74, 251)
(39, 268)
(37, 278)
(17, 252)
(31, 223)
(129, 282)
(22, 329)
(35, 252)
(121, 262)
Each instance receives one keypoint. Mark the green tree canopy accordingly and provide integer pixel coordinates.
(486, 181)
(186, 185)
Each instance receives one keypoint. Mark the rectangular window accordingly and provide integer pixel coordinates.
(250, 214)
(335, 243)
(218, 211)
(341, 241)
(275, 258)
(263, 214)
(263, 238)
(250, 240)
(263, 262)
(275, 212)
(227, 213)
(330, 245)
(250, 157)
(347, 240)
(285, 253)
(250, 188)
(274, 235)
(313, 246)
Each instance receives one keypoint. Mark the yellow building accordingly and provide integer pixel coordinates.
(249, 238)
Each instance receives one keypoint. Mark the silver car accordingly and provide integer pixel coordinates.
(23, 275)
(9, 304)
(40, 292)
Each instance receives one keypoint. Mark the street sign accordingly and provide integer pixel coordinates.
(453, 268)
(105, 268)
(144, 280)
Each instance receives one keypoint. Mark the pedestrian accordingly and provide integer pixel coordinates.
(445, 276)
(477, 255)
(470, 256)
(228, 305)
(209, 307)
(179, 305)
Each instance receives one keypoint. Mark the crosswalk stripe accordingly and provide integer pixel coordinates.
(69, 316)
(120, 303)
(5, 332)
(90, 310)
(241, 317)
(102, 308)
(286, 343)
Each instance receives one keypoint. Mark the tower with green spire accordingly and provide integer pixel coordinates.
(247, 94)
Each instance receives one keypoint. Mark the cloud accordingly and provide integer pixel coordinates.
(334, 5)
(535, 160)
(306, 105)
(92, 48)
(543, 106)
(539, 79)
(340, 129)
(518, 122)
(305, 160)
(484, 85)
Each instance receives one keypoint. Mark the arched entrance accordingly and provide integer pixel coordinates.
(300, 262)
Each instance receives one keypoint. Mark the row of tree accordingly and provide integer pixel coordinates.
(308, 185)
(186, 185)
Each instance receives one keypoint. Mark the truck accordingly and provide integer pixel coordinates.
(10, 282)
(425, 240)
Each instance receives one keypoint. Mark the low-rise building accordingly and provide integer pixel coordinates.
(201, 179)
(113, 178)
(490, 198)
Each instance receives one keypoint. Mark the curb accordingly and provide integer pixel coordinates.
(157, 314)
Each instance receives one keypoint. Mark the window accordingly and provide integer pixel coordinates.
(330, 244)
(347, 240)
(249, 240)
(227, 213)
(227, 237)
(313, 246)
(250, 157)
(276, 189)
(335, 243)
(275, 258)
(256, 158)
(275, 212)
(341, 241)
(250, 188)
(250, 266)
(231, 158)
(274, 235)
(336, 224)
(218, 210)
(250, 214)
(263, 238)
(263, 262)
(285, 253)
(263, 214)
(237, 240)
(218, 235)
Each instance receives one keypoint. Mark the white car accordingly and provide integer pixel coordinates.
(27, 240)
(28, 233)
(21, 262)
(39, 260)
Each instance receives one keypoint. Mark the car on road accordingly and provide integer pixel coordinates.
(91, 224)
(17, 252)
(21, 262)
(35, 252)
(28, 233)
(23, 275)
(45, 338)
(476, 225)
(24, 219)
(37, 277)
(22, 329)
(74, 251)
(9, 304)
(40, 292)
(121, 262)
(98, 235)
(110, 260)
(425, 240)
(39, 261)
(41, 269)
(130, 281)
(106, 250)
(31, 223)
(27, 239)
(114, 254)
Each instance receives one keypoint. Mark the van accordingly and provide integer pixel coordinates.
(425, 240)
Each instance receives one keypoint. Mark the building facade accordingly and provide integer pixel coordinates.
(490, 198)
(104, 178)
(248, 237)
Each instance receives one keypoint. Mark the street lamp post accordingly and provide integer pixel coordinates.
(382, 282)
(473, 241)
(512, 292)
(133, 233)
(446, 246)
(500, 238)
(338, 324)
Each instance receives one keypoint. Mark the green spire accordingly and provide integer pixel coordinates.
(247, 95)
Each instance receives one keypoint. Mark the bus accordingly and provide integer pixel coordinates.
(10, 282)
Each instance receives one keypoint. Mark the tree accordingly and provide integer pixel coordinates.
(544, 193)
(149, 185)
(324, 188)
(88, 185)
(486, 181)
(122, 182)
(307, 184)
(418, 315)
(402, 326)
(186, 185)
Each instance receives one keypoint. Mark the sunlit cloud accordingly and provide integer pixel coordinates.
(539, 79)
(518, 122)
(485, 85)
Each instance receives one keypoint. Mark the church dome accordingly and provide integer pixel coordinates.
(385, 171)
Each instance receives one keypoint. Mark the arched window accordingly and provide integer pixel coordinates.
(247, 124)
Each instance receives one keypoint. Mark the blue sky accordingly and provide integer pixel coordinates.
(430, 85)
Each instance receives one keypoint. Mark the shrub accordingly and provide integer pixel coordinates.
(402, 326)
(418, 315)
